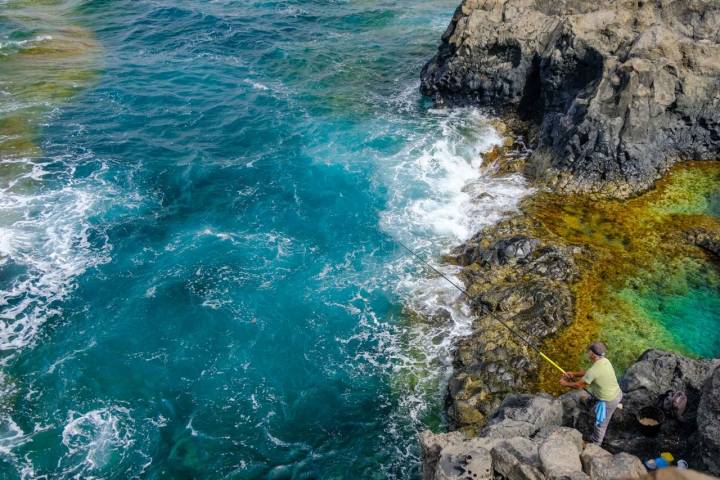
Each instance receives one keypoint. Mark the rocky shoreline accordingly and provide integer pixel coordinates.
(616, 91)
(610, 95)
(532, 437)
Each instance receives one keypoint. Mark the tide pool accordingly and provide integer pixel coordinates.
(198, 260)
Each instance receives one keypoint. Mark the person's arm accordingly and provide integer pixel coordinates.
(580, 381)
(579, 384)
(572, 375)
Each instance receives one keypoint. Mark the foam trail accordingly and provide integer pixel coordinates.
(44, 232)
(442, 194)
(49, 242)
(46, 237)
(95, 439)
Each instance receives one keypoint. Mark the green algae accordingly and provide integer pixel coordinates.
(415, 377)
(48, 60)
(642, 283)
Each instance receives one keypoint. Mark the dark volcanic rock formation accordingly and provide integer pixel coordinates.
(708, 240)
(524, 441)
(708, 420)
(619, 90)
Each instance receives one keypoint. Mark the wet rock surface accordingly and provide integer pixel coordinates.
(617, 91)
(516, 280)
(708, 240)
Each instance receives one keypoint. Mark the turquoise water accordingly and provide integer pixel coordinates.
(198, 265)
(688, 310)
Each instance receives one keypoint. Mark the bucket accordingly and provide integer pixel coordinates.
(650, 420)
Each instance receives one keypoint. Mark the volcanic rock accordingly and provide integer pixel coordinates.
(618, 90)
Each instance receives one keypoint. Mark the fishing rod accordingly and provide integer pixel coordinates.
(467, 295)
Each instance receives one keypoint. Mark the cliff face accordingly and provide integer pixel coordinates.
(619, 90)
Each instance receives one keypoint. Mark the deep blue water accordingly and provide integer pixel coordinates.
(202, 278)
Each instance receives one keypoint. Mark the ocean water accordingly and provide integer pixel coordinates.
(200, 207)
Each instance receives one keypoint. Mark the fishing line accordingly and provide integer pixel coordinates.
(515, 333)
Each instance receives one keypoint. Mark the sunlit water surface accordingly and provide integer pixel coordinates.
(199, 215)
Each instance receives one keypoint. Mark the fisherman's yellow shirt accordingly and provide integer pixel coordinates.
(601, 380)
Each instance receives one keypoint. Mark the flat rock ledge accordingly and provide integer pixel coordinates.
(536, 437)
(616, 90)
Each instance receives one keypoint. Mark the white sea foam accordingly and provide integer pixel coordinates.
(440, 194)
(256, 85)
(46, 236)
(46, 240)
(15, 44)
(96, 438)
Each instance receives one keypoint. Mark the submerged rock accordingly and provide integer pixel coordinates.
(708, 240)
(618, 90)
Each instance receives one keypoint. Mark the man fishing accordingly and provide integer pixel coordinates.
(598, 383)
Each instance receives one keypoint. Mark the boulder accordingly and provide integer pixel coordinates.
(445, 453)
(590, 453)
(508, 428)
(517, 459)
(657, 371)
(616, 90)
(560, 453)
(431, 444)
(621, 466)
(563, 475)
(708, 421)
(523, 415)
(457, 462)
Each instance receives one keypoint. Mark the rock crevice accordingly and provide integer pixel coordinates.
(618, 91)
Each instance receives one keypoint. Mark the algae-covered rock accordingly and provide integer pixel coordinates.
(709, 240)
(516, 281)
